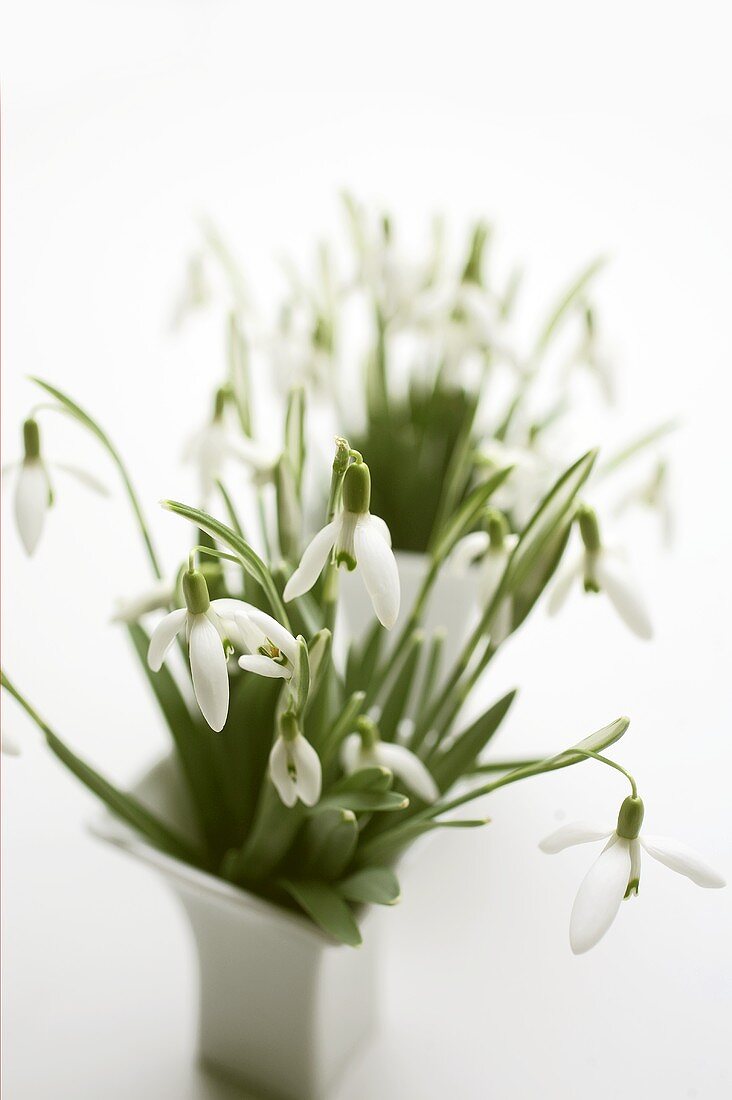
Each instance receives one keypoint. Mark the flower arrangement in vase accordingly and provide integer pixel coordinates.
(300, 770)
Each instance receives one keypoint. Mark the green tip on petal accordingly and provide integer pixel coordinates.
(31, 439)
(195, 592)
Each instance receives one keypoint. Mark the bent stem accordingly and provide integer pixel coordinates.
(70, 408)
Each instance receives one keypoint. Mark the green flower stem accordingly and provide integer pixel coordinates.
(612, 764)
(72, 409)
(121, 804)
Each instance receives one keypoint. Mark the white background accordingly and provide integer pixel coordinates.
(580, 129)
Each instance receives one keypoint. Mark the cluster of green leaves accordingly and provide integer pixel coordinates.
(332, 858)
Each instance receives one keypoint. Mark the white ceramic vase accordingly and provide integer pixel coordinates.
(452, 606)
(283, 1008)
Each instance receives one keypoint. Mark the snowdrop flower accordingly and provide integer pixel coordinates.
(364, 749)
(653, 493)
(615, 875)
(214, 444)
(294, 765)
(530, 478)
(212, 629)
(489, 551)
(33, 489)
(601, 570)
(359, 540)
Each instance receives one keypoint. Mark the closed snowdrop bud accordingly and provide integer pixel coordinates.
(33, 490)
(359, 541)
(602, 570)
(365, 749)
(615, 875)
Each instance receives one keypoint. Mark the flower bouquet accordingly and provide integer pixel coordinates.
(306, 760)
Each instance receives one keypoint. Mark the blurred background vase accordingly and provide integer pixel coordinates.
(282, 1007)
(452, 605)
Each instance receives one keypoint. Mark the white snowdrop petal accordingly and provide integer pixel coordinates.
(209, 672)
(409, 768)
(154, 599)
(682, 859)
(562, 587)
(312, 561)
(309, 772)
(469, 548)
(83, 477)
(351, 754)
(382, 527)
(280, 773)
(264, 666)
(624, 598)
(275, 631)
(379, 569)
(576, 832)
(31, 502)
(599, 896)
(163, 637)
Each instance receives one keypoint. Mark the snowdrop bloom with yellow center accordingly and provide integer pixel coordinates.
(33, 488)
(213, 629)
(294, 765)
(213, 446)
(601, 569)
(359, 540)
(615, 875)
(364, 749)
(488, 552)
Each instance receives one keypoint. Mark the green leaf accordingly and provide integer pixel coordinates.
(395, 704)
(372, 885)
(344, 724)
(375, 778)
(295, 434)
(326, 907)
(386, 846)
(248, 557)
(568, 299)
(362, 660)
(449, 766)
(302, 675)
(191, 740)
(555, 510)
(467, 515)
(69, 406)
(362, 801)
(289, 516)
(326, 845)
(239, 380)
(125, 806)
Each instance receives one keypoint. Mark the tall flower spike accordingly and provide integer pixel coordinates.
(615, 875)
(364, 749)
(359, 540)
(489, 551)
(601, 570)
(33, 489)
(215, 444)
(294, 765)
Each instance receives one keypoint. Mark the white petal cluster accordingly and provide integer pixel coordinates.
(615, 875)
(476, 551)
(215, 444)
(211, 635)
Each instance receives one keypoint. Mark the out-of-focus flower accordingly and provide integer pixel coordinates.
(489, 551)
(615, 875)
(33, 490)
(601, 569)
(215, 444)
(653, 493)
